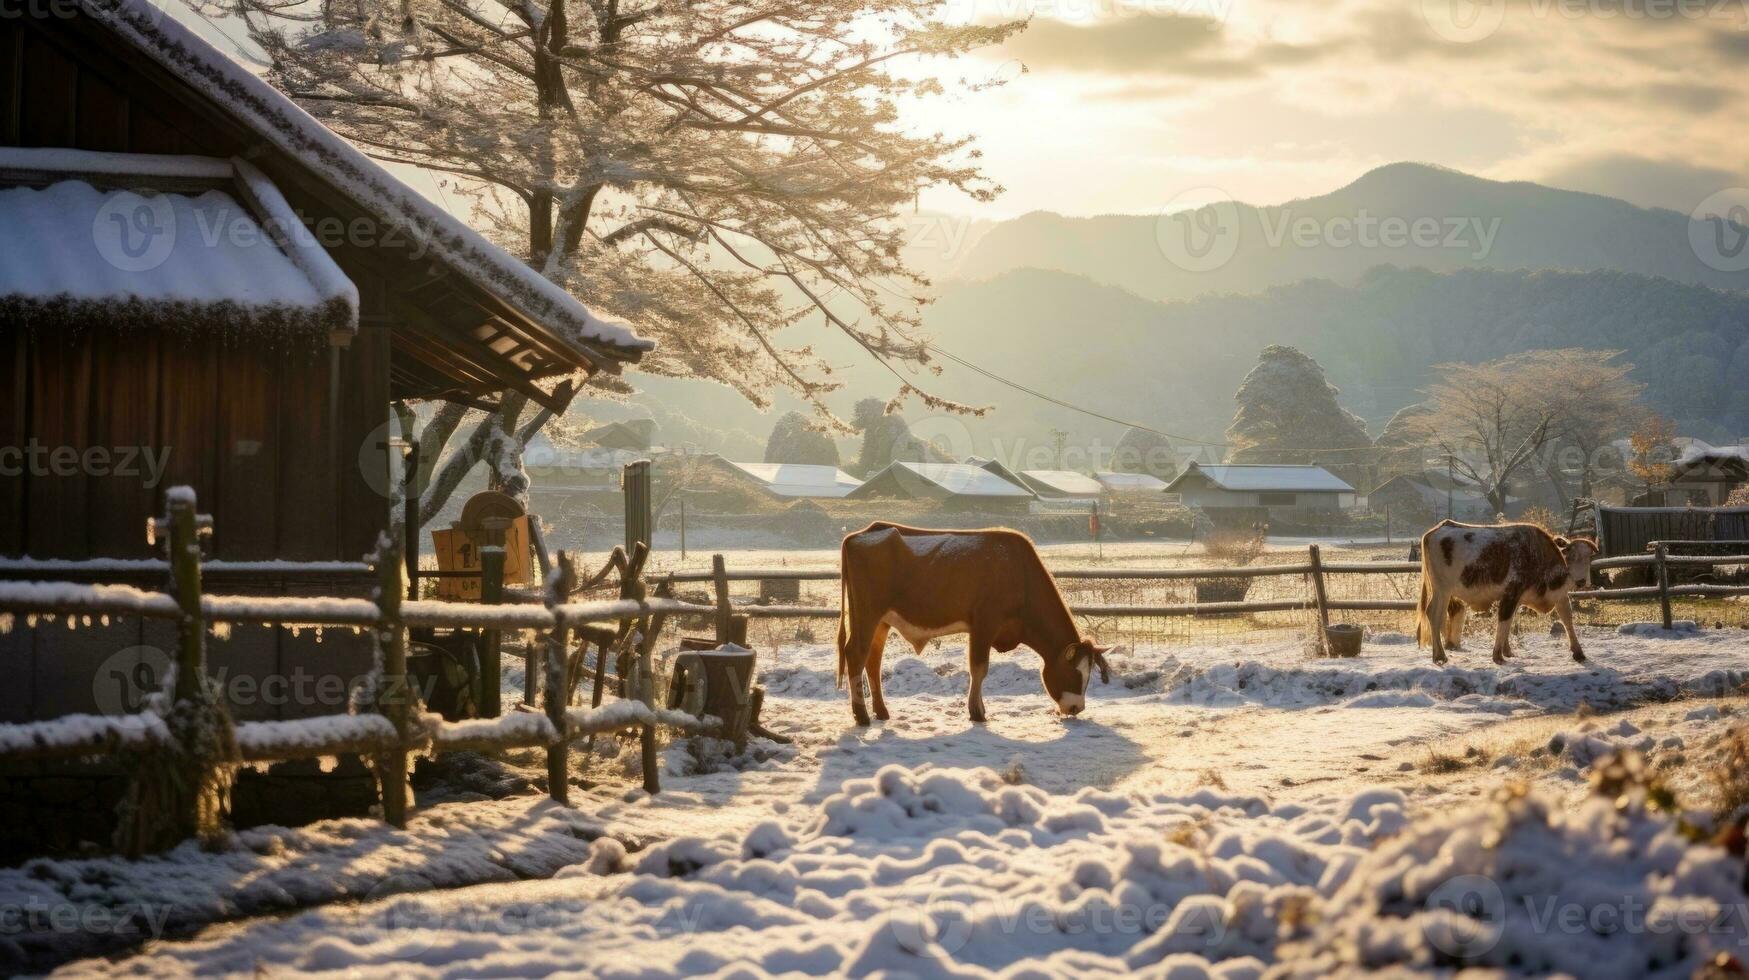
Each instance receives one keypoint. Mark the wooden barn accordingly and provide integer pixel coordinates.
(200, 284)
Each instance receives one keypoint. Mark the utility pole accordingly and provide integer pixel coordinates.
(1450, 485)
(1059, 439)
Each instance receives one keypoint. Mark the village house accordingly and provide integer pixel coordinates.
(790, 481)
(956, 486)
(1705, 477)
(1281, 489)
(1130, 483)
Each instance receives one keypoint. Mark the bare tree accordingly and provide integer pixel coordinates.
(715, 171)
(1495, 420)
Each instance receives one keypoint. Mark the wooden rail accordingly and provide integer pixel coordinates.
(1314, 569)
(391, 730)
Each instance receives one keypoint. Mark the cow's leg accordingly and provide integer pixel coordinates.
(876, 647)
(1503, 625)
(1455, 611)
(1564, 610)
(977, 664)
(1436, 610)
(854, 651)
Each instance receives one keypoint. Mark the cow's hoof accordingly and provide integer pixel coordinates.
(976, 716)
(881, 714)
(1439, 660)
(861, 718)
(1578, 656)
(1500, 658)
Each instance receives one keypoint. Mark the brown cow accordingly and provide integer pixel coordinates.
(1471, 566)
(989, 584)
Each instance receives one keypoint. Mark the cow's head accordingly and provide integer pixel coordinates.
(1577, 553)
(1068, 674)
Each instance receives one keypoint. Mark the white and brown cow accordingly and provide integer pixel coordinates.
(989, 584)
(1473, 566)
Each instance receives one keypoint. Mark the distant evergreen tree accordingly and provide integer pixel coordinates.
(793, 441)
(1288, 414)
(887, 439)
(1142, 451)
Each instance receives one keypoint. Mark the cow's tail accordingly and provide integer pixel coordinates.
(1424, 624)
(844, 608)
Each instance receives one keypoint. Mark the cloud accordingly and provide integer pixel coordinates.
(1165, 44)
(1673, 184)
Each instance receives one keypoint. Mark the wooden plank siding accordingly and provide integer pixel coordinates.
(268, 431)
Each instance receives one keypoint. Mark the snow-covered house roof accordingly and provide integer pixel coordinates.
(1130, 482)
(797, 480)
(939, 481)
(1062, 483)
(1265, 478)
(191, 242)
(455, 292)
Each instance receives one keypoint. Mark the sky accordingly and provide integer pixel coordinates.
(1138, 106)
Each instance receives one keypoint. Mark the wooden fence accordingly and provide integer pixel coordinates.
(1314, 570)
(392, 729)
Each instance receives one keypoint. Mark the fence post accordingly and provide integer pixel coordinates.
(1663, 571)
(725, 612)
(190, 789)
(492, 641)
(559, 586)
(1322, 601)
(395, 693)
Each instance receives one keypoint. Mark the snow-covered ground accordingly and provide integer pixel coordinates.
(1218, 810)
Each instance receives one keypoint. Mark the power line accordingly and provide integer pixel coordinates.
(1018, 386)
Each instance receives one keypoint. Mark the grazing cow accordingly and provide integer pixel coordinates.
(1471, 566)
(989, 584)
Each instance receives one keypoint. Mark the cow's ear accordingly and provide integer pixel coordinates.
(1099, 661)
(1562, 542)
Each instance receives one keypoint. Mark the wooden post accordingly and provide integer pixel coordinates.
(1322, 600)
(395, 693)
(725, 612)
(1662, 553)
(489, 700)
(559, 588)
(185, 572)
(636, 484)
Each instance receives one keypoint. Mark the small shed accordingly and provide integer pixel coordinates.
(957, 486)
(1426, 496)
(793, 481)
(1706, 476)
(1277, 488)
(1063, 485)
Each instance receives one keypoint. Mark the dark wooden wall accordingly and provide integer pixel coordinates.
(275, 437)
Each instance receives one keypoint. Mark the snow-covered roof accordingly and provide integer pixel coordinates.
(1278, 478)
(1067, 483)
(965, 480)
(1131, 482)
(72, 250)
(799, 479)
(293, 131)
